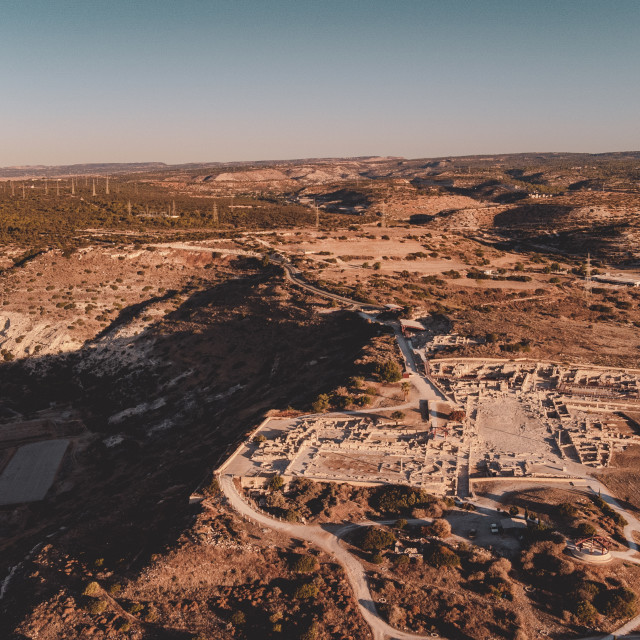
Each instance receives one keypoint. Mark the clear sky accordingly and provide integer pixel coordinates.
(211, 80)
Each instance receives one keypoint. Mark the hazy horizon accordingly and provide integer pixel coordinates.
(206, 81)
(251, 161)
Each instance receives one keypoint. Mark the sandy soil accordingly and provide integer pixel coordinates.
(504, 427)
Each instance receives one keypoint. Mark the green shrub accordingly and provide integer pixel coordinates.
(305, 564)
(610, 511)
(306, 591)
(238, 619)
(136, 607)
(92, 589)
(321, 403)
(586, 530)
(376, 538)
(311, 633)
(567, 510)
(440, 556)
(292, 515)
(96, 607)
(617, 603)
(585, 612)
(401, 561)
(388, 371)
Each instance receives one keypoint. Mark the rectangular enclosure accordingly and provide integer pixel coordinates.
(31, 471)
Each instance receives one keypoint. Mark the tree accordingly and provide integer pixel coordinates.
(397, 416)
(321, 403)
(238, 619)
(389, 371)
(440, 528)
(457, 415)
(400, 499)
(307, 590)
(305, 564)
(275, 483)
(406, 388)
(441, 556)
(376, 538)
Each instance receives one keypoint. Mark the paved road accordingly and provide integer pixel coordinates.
(329, 542)
(291, 274)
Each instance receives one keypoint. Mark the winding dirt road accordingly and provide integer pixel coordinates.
(328, 539)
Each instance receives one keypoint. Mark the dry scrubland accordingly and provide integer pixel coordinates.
(134, 324)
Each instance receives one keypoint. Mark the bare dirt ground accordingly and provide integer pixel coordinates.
(225, 578)
(216, 359)
(504, 427)
(55, 303)
(351, 255)
(623, 477)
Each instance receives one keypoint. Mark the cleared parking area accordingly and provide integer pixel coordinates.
(31, 471)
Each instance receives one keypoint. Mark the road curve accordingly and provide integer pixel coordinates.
(291, 276)
(630, 555)
(330, 543)
(353, 569)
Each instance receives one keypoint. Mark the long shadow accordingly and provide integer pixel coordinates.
(126, 502)
(532, 215)
(128, 314)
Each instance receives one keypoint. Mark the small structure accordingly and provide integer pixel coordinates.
(513, 525)
(611, 278)
(411, 326)
(594, 549)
